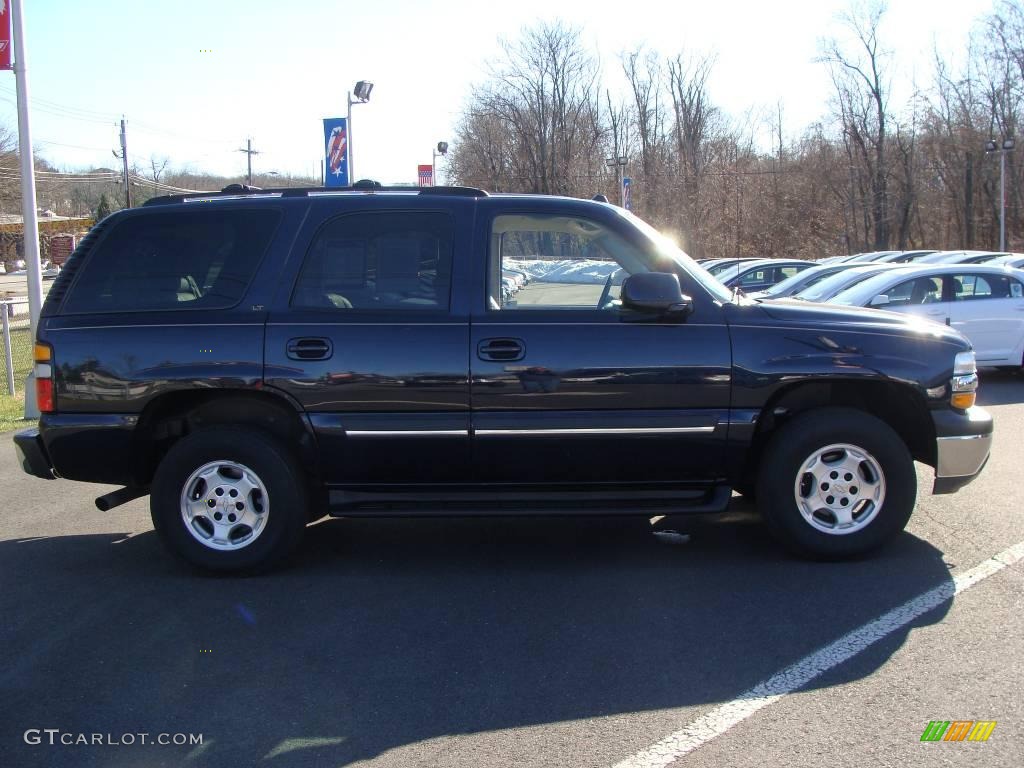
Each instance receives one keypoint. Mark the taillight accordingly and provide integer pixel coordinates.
(42, 354)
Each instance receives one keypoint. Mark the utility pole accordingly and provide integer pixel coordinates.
(249, 151)
(124, 157)
(30, 225)
(969, 202)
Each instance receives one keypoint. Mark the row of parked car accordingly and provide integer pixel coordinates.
(980, 293)
(512, 281)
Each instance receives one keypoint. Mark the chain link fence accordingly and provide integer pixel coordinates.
(16, 350)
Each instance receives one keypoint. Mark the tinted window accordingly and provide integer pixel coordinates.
(784, 272)
(179, 260)
(754, 276)
(922, 290)
(971, 287)
(379, 261)
(716, 269)
(567, 262)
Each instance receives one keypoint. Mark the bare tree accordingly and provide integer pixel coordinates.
(545, 93)
(862, 92)
(694, 117)
(157, 166)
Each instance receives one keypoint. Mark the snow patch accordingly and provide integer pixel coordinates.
(575, 271)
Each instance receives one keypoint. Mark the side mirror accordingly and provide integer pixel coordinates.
(655, 292)
(880, 300)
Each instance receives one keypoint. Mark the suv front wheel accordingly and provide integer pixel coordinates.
(229, 499)
(836, 483)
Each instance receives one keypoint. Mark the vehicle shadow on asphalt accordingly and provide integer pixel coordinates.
(387, 633)
(1000, 387)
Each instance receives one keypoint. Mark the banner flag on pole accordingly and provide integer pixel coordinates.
(426, 175)
(627, 193)
(5, 35)
(336, 152)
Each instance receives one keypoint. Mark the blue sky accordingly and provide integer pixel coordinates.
(274, 69)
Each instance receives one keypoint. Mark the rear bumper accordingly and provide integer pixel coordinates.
(963, 441)
(31, 453)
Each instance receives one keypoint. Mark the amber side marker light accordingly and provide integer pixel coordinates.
(42, 354)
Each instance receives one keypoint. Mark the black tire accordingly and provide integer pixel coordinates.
(795, 442)
(277, 469)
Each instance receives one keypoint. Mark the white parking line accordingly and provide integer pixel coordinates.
(721, 719)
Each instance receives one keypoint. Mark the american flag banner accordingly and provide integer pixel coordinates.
(426, 175)
(5, 35)
(336, 151)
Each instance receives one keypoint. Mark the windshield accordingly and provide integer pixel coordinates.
(855, 293)
(830, 286)
(669, 249)
(800, 280)
(722, 266)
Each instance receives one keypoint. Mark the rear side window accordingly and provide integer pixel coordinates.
(970, 287)
(179, 260)
(379, 260)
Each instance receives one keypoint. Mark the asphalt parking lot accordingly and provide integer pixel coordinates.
(568, 642)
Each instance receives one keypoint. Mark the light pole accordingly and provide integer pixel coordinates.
(1007, 146)
(442, 149)
(619, 163)
(362, 93)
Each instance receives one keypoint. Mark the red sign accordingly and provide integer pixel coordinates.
(426, 175)
(5, 35)
(61, 247)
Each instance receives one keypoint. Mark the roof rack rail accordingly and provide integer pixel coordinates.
(368, 185)
(363, 185)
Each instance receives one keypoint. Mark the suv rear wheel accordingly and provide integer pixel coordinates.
(229, 499)
(836, 483)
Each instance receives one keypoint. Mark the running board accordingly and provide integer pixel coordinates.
(345, 503)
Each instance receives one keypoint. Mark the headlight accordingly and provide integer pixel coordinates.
(964, 384)
(964, 363)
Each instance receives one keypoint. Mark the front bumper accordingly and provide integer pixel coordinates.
(28, 446)
(963, 441)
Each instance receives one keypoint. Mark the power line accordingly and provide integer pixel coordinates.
(161, 186)
(102, 118)
(72, 146)
(94, 114)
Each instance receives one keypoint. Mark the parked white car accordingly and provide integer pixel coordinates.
(830, 286)
(983, 302)
(1015, 260)
(960, 257)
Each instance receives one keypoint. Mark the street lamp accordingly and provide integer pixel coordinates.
(442, 149)
(991, 147)
(362, 95)
(618, 163)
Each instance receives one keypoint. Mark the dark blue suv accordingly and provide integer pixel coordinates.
(256, 359)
